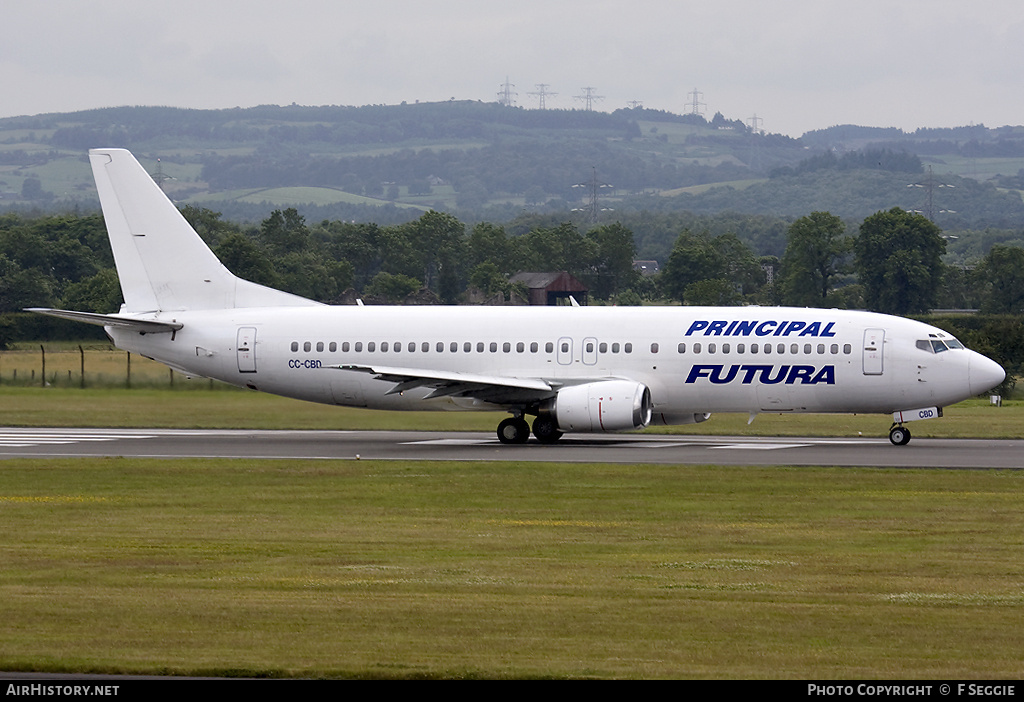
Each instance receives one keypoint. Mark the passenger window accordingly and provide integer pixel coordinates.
(440, 347)
(712, 348)
(681, 348)
(781, 348)
(834, 348)
(696, 348)
(345, 346)
(494, 346)
(549, 347)
(794, 348)
(847, 349)
(654, 348)
(534, 347)
(333, 347)
(506, 347)
(807, 348)
(725, 348)
(479, 347)
(467, 347)
(615, 347)
(627, 347)
(359, 346)
(307, 346)
(753, 348)
(520, 347)
(371, 346)
(821, 348)
(319, 347)
(295, 346)
(565, 347)
(590, 347)
(741, 348)
(383, 346)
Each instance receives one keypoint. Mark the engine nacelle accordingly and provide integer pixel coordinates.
(608, 405)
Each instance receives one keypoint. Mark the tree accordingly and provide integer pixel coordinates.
(898, 259)
(613, 264)
(1002, 275)
(816, 254)
(701, 257)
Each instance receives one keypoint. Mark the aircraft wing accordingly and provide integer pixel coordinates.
(487, 388)
(110, 320)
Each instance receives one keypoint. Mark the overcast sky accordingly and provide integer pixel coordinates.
(795, 64)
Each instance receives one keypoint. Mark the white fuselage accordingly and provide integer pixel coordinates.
(693, 359)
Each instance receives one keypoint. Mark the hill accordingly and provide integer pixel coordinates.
(388, 164)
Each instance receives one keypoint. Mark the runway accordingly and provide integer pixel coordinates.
(459, 446)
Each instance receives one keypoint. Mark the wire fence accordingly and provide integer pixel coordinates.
(82, 366)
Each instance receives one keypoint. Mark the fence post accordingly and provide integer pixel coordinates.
(43, 376)
(81, 382)
(128, 377)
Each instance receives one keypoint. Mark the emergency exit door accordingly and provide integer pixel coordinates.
(874, 347)
(246, 349)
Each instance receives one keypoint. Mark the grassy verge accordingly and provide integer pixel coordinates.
(393, 569)
(197, 406)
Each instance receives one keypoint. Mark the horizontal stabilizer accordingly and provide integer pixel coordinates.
(110, 320)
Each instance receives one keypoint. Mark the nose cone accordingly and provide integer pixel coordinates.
(983, 374)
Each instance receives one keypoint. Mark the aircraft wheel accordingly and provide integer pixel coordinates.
(513, 430)
(545, 428)
(899, 436)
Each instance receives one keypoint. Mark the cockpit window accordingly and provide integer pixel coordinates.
(935, 345)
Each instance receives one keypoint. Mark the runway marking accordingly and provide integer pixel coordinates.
(14, 438)
(760, 447)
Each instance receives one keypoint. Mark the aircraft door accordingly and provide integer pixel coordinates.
(589, 351)
(246, 349)
(565, 351)
(874, 347)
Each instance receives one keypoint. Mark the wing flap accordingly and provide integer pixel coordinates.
(488, 388)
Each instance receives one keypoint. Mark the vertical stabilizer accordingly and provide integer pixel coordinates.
(162, 263)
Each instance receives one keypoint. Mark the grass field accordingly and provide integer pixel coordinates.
(393, 569)
(294, 568)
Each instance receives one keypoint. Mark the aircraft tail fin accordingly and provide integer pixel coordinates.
(162, 263)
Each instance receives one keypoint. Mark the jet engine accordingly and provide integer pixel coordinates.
(607, 405)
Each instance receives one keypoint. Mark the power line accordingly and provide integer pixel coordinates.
(695, 103)
(542, 92)
(588, 97)
(593, 210)
(507, 96)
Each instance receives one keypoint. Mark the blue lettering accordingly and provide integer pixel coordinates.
(763, 374)
(744, 328)
(801, 373)
(732, 325)
(795, 326)
(826, 375)
(696, 326)
(812, 329)
(779, 377)
(828, 329)
(715, 328)
(700, 372)
(750, 371)
(763, 330)
(716, 376)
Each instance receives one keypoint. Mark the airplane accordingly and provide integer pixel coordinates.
(572, 369)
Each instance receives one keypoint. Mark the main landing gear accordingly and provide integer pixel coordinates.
(899, 435)
(515, 430)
